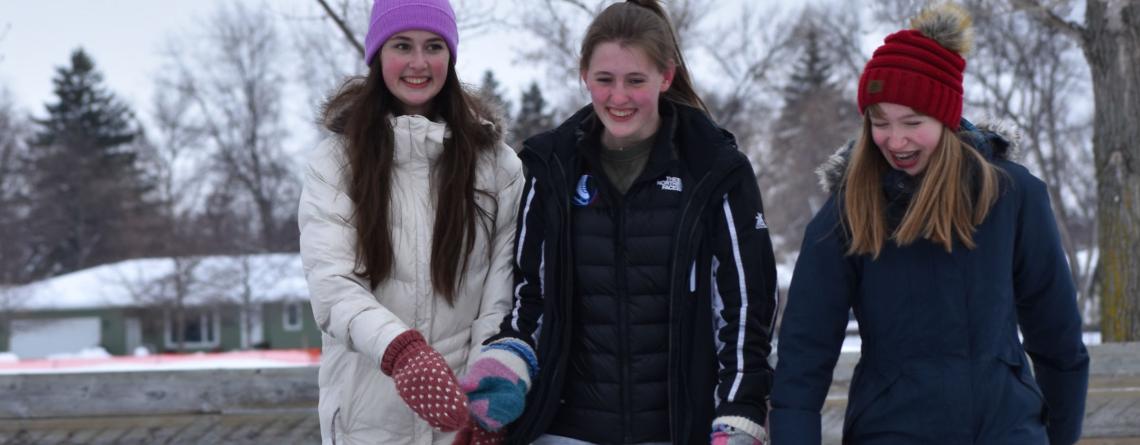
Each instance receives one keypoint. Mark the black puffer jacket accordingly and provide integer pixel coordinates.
(678, 322)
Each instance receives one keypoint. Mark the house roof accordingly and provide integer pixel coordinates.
(152, 281)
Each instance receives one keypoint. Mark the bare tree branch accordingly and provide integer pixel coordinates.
(1048, 16)
(347, 32)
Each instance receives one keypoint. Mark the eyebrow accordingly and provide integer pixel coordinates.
(607, 73)
(905, 116)
(409, 39)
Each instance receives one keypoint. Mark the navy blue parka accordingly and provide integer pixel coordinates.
(941, 359)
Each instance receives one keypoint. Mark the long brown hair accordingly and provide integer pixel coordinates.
(645, 24)
(359, 112)
(955, 193)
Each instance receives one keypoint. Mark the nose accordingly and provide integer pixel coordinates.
(896, 140)
(419, 60)
(618, 94)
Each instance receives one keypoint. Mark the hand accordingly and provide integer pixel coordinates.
(425, 382)
(497, 382)
(726, 435)
(473, 434)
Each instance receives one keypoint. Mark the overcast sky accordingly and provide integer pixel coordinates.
(124, 37)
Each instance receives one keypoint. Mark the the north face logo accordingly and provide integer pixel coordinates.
(671, 183)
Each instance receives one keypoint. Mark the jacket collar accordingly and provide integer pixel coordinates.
(417, 138)
(697, 139)
(993, 139)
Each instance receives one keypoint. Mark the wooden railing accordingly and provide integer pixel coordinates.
(50, 401)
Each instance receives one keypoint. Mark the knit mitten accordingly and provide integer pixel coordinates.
(473, 434)
(498, 381)
(733, 430)
(424, 381)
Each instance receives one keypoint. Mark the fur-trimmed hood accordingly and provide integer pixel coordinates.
(334, 113)
(996, 140)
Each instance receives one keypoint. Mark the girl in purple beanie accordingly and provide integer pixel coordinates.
(645, 284)
(407, 234)
(947, 253)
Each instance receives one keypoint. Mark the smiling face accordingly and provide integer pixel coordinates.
(625, 87)
(414, 66)
(906, 138)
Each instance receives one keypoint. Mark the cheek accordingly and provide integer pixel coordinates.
(439, 68)
(879, 137)
(930, 140)
(391, 72)
(645, 98)
(598, 94)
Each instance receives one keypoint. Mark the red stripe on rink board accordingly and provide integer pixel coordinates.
(311, 356)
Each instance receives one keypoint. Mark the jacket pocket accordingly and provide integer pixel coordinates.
(1018, 367)
(868, 384)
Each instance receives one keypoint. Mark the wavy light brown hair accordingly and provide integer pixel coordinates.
(955, 193)
(359, 111)
(644, 24)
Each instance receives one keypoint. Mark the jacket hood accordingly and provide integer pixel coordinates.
(995, 139)
(698, 140)
(334, 113)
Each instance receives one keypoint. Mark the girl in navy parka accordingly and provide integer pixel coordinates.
(944, 249)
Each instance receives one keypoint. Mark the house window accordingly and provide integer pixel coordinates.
(200, 330)
(292, 316)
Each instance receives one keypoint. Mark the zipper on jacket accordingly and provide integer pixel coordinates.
(567, 286)
(681, 417)
(561, 339)
(626, 406)
(678, 426)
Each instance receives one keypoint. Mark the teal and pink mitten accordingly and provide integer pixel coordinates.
(734, 430)
(497, 382)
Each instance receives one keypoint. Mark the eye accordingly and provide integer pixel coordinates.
(879, 124)
(402, 46)
(603, 79)
(436, 47)
(912, 124)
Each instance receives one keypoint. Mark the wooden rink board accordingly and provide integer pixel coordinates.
(283, 428)
(278, 405)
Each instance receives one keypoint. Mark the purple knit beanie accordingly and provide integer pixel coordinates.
(392, 16)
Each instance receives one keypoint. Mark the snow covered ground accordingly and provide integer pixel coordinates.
(97, 360)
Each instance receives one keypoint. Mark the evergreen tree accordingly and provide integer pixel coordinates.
(815, 120)
(489, 91)
(532, 117)
(90, 199)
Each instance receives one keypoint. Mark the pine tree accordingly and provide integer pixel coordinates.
(489, 91)
(90, 198)
(532, 117)
(815, 120)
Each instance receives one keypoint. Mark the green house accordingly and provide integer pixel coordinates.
(215, 303)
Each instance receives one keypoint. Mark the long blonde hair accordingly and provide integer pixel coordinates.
(955, 193)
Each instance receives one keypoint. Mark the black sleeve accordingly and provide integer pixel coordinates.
(744, 298)
(525, 318)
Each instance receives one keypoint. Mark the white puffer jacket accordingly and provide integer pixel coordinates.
(358, 403)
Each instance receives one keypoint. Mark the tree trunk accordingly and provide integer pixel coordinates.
(1111, 42)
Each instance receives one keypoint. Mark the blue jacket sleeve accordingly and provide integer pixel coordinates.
(1047, 312)
(812, 331)
(744, 301)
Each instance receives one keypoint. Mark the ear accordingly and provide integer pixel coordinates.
(668, 75)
